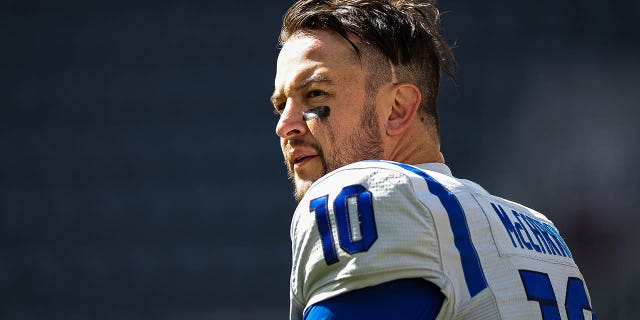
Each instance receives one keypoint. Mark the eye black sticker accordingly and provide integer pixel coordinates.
(320, 112)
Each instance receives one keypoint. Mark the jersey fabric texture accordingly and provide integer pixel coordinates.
(373, 222)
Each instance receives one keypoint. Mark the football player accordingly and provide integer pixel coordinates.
(383, 230)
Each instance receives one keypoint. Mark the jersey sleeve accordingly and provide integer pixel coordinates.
(361, 226)
(414, 299)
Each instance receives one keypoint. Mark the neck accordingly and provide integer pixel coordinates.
(414, 146)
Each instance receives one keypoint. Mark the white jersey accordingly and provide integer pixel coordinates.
(376, 221)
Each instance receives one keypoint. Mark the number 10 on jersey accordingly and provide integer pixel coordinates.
(343, 218)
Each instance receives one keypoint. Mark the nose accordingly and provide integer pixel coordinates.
(291, 123)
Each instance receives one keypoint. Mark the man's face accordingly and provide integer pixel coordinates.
(322, 69)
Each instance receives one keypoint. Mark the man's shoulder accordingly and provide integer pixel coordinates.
(371, 211)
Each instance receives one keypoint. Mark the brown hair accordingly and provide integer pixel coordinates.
(403, 31)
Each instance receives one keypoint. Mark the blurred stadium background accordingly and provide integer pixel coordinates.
(140, 177)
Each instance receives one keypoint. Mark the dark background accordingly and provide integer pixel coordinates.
(140, 176)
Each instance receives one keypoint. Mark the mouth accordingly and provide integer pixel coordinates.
(302, 160)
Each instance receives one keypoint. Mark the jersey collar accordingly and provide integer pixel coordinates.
(437, 167)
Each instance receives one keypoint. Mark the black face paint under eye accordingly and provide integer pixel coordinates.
(320, 112)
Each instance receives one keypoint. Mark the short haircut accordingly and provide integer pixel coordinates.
(404, 32)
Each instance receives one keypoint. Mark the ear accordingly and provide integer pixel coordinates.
(406, 101)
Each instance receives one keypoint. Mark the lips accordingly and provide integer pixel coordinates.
(299, 161)
(299, 157)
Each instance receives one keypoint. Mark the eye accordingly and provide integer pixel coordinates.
(315, 93)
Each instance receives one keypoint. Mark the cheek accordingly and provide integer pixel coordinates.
(322, 132)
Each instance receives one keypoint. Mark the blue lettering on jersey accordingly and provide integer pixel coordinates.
(537, 234)
(545, 239)
(553, 232)
(507, 224)
(530, 245)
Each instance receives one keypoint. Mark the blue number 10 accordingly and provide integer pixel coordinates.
(347, 240)
(538, 287)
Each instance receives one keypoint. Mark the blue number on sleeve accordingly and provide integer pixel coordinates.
(368, 231)
(319, 205)
(366, 222)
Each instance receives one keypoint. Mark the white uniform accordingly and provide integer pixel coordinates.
(376, 221)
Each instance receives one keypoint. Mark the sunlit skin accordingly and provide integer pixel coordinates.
(318, 68)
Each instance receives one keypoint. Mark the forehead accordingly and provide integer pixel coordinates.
(309, 52)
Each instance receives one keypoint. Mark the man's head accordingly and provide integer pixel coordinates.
(376, 65)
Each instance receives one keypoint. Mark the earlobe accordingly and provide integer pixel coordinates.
(406, 101)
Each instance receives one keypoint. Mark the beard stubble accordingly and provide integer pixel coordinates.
(364, 144)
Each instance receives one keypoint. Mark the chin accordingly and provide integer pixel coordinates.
(301, 187)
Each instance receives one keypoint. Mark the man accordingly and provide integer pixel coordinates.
(383, 230)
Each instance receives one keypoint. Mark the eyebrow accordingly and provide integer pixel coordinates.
(315, 78)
